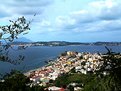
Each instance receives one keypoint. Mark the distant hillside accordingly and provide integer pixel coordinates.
(22, 39)
(64, 43)
(107, 43)
(59, 43)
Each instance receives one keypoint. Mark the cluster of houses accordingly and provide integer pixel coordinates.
(82, 62)
(89, 63)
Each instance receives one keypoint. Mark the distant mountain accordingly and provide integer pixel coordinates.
(22, 39)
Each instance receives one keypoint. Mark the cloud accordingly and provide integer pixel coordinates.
(60, 21)
(99, 16)
(29, 3)
(103, 4)
(108, 9)
(45, 23)
(53, 18)
(42, 27)
(23, 7)
(12, 9)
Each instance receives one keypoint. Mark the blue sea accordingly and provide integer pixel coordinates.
(36, 56)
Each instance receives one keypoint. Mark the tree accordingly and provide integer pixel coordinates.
(14, 81)
(10, 32)
(112, 66)
(108, 77)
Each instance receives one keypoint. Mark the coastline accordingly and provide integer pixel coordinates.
(35, 56)
(36, 69)
(63, 64)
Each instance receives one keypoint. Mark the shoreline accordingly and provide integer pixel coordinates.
(63, 64)
(80, 62)
(39, 68)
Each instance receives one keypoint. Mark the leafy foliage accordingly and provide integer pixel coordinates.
(16, 81)
(111, 81)
(10, 32)
(79, 78)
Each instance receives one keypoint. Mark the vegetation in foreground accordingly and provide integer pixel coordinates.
(16, 81)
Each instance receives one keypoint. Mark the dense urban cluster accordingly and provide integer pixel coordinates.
(82, 62)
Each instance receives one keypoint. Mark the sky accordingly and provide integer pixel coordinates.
(66, 20)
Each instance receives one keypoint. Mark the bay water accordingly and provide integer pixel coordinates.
(36, 56)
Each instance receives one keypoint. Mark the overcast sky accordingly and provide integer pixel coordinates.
(66, 20)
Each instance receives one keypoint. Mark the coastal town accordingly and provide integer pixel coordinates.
(81, 62)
